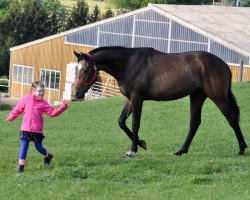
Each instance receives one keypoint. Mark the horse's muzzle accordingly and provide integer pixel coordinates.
(80, 94)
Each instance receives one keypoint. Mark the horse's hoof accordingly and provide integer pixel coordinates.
(242, 150)
(179, 153)
(130, 153)
(143, 145)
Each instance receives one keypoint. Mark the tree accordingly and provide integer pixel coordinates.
(247, 3)
(9, 25)
(57, 14)
(108, 14)
(4, 4)
(6, 40)
(79, 15)
(34, 21)
(95, 15)
(4, 56)
(28, 20)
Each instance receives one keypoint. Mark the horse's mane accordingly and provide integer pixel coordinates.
(118, 48)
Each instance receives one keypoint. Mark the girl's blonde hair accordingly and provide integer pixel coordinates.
(35, 84)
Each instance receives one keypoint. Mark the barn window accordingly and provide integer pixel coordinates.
(22, 74)
(51, 78)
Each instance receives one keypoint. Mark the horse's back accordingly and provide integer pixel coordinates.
(196, 63)
(176, 75)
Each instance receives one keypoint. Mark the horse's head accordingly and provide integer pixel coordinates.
(87, 74)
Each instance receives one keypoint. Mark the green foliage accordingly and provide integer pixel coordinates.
(79, 15)
(135, 4)
(4, 4)
(4, 89)
(4, 55)
(95, 15)
(108, 14)
(57, 15)
(25, 21)
(247, 3)
(10, 26)
(89, 148)
(34, 23)
(193, 2)
(7, 11)
(4, 107)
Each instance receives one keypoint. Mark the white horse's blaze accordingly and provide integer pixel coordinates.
(130, 153)
(79, 66)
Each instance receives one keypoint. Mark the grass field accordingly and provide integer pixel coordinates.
(103, 5)
(89, 161)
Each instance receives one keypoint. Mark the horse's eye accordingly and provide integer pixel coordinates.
(85, 71)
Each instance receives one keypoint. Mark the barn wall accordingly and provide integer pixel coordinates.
(235, 73)
(52, 54)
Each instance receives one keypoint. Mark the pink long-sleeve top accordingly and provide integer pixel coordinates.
(33, 109)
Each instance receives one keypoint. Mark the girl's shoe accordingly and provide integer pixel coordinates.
(20, 169)
(48, 159)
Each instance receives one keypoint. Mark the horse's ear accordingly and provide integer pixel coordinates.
(82, 56)
(78, 55)
(85, 56)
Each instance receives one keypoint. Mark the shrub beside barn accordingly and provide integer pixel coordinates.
(223, 31)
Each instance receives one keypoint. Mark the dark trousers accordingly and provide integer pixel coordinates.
(26, 138)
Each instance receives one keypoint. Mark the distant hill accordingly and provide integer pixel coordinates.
(103, 5)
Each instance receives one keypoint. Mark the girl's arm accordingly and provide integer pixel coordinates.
(18, 110)
(55, 112)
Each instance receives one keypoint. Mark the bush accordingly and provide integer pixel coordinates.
(5, 107)
(2, 88)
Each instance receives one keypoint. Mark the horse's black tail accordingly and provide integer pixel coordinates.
(233, 103)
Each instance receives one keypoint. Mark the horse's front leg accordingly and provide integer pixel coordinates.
(136, 113)
(127, 110)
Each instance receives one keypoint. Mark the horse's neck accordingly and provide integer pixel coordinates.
(110, 69)
(112, 63)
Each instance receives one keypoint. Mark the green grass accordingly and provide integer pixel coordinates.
(103, 5)
(89, 161)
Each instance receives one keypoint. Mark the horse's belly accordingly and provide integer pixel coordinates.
(166, 97)
(171, 93)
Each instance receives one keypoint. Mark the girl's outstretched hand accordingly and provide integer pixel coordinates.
(65, 102)
(7, 120)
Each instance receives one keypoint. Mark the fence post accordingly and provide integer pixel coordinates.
(241, 71)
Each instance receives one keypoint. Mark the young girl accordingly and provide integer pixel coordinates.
(33, 106)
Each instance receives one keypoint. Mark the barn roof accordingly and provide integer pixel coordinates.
(228, 25)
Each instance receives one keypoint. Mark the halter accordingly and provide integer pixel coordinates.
(90, 82)
(93, 78)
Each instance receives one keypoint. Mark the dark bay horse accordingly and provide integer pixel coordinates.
(147, 74)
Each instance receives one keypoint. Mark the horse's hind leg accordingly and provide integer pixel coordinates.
(197, 99)
(127, 110)
(230, 110)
